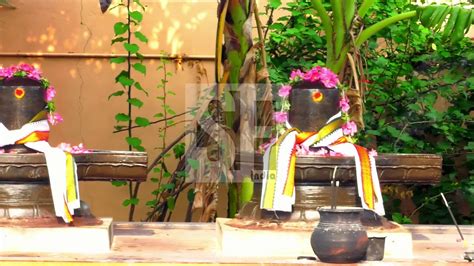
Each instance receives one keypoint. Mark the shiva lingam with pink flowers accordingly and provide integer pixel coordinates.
(38, 181)
(314, 134)
(318, 135)
(313, 162)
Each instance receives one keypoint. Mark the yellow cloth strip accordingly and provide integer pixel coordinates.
(70, 179)
(68, 215)
(39, 116)
(328, 129)
(271, 178)
(290, 181)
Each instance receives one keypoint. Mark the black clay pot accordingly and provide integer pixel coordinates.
(17, 109)
(312, 105)
(339, 236)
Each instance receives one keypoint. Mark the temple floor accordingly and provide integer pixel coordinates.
(197, 243)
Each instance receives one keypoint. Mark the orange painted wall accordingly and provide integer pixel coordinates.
(83, 84)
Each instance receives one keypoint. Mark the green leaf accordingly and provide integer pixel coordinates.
(136, 15)
(142, 121)
(140, 68)
(139, 4)
(246, 191)
(193, 163)
(152, 203)
(118, 60)
(181, 174)
(119, 39)
(169, 186)
(119, 183)
(125, 81)
(117, 93)
(120, 28)
(131, 201)
(373, 132)
(140, 88)
(191, 195)
(179, 150)
(274, 3)
(131, 47)
(140, 36)
(159, 115)
(122, 117)
(140, 56)
(133, 141)
(134, 201)
(171, 202)
(135, 102)
(393, 131)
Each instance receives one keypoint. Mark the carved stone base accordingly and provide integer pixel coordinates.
(25, 200)
(48, 235)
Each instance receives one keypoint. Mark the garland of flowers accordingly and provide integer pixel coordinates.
(29, 71)
(317, 75)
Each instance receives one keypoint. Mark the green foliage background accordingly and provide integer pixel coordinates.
(420, 97)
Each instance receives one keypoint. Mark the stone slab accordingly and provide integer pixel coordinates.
(95, 238)
(292, 239)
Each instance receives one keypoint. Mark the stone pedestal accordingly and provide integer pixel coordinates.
(87, 235)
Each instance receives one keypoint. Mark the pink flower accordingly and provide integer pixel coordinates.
(280, 117)
(73, 149)
(313, 75)
(284, 91)
(49, 94)
(344, 104)
(26, 67)
(349, 128)
(373, 153)
(34, 74)
(296, 74)
(54, 118)
(328, 78)
(7, 72)
(263, 147)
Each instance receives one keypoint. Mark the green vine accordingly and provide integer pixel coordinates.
(123, 35)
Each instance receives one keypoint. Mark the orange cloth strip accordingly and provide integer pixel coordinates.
(34, 136)
(367, 184)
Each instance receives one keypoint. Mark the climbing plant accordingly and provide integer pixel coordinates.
(129, 38)
(420, 99)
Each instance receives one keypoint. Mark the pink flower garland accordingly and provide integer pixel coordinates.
(320, 75)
